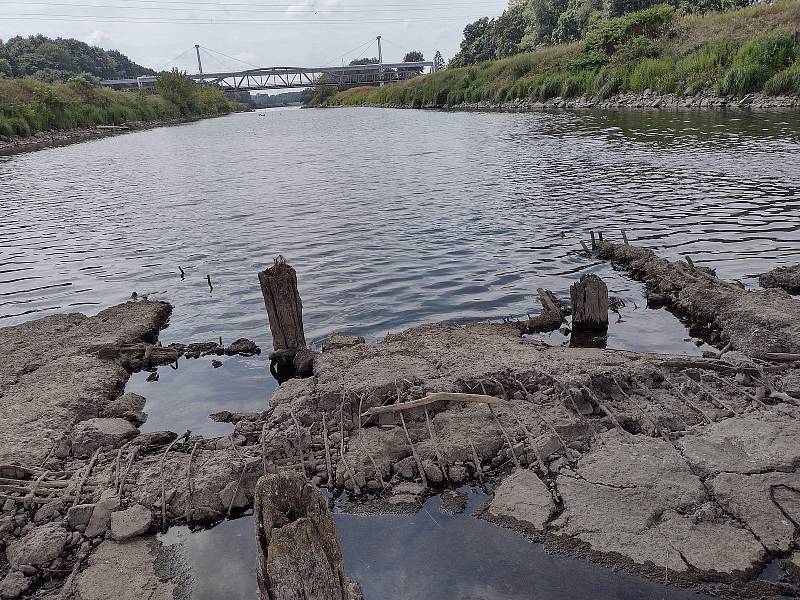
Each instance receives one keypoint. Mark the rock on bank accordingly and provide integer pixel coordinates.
(52, 377)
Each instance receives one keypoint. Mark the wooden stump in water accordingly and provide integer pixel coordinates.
(298, 554)
(589, 304)
(291, 358)
(284, 307)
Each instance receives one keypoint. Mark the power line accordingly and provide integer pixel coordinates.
(285, 9)
(212, 21)
(226, 5)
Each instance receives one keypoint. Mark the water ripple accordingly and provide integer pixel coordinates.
(393, 218)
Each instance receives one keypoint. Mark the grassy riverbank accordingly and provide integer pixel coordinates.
(28, 106)
(755, 49)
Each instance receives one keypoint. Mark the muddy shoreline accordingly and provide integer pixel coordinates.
(651, 463)
(53, 139)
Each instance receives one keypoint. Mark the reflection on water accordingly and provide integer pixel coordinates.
(392, 218)
(182, 399)
(427, 556)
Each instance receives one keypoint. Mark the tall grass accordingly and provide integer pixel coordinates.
(733, 53)
(756, 61)
(657, 74)
(784, 82)
(699, 70)
(28, 106)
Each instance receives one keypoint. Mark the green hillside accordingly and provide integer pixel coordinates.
(59, 59)
(661, 49)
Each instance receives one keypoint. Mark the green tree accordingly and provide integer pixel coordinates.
(576, 19)
(541, 21)
(476, 45)
(177, 89)
(489, 40)
(414, 56)
(6, 70)
(508, 31)
(59, 59)
(438, 62)
(364, 61)
(324, 90)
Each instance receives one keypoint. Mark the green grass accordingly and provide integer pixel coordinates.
(657, 74)
(733, 53)
(784, 82)
(28, 106)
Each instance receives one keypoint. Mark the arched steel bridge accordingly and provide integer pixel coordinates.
(273, 78)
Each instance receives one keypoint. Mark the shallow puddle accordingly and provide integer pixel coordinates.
(427, 556)
(183, 398)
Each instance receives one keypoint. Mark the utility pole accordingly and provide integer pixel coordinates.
(199, 64)
(380, 58)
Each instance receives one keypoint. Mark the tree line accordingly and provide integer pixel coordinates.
(55, 60)
(532, 24)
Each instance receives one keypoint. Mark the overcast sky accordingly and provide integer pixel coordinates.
(261, 33)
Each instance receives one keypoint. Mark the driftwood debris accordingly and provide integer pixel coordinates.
(550, 318)
(291, 357)
(432, 398)
(149, 356)
(298, 554)
(589, 304)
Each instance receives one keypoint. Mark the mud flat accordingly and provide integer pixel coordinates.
(667, 466)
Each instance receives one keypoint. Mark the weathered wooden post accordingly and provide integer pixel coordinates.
(298, 554)
(589, 311)
(290, 358)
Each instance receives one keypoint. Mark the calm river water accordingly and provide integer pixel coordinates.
(392, 219)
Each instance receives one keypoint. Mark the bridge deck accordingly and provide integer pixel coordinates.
(295, 77)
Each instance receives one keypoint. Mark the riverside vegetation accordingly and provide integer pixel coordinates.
(733, 53)
(29, 105)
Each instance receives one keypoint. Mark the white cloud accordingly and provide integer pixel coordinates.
(100, 38)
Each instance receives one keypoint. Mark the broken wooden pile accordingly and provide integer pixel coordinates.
(761, 323)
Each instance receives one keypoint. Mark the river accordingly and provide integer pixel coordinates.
(392, 218)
